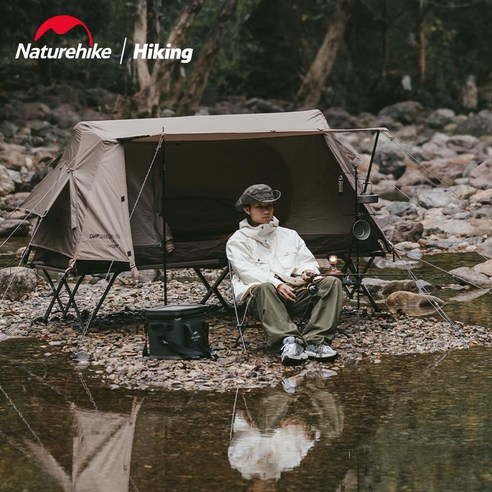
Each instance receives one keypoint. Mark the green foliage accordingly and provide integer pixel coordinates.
(270, 45)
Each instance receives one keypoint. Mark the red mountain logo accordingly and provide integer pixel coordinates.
(61, 24)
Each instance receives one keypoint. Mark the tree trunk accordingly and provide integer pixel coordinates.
(314, 82)
(146, 101)
(140, 37)
(196, 85)
(422, 42)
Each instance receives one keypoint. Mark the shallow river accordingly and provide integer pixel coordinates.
(417, 423)
(412, 423)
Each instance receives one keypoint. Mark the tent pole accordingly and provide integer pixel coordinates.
(163, 215)
(371, 161)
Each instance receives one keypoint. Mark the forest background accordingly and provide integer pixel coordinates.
(360, 55)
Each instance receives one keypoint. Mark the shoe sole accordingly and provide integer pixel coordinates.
(323, 359)
(293, 362)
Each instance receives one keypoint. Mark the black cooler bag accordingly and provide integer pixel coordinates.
(177, 332)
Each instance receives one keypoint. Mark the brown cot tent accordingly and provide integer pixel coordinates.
(103, 203)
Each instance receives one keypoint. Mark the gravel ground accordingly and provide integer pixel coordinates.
(115, 342)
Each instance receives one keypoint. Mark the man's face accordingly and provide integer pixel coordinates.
(260, 213)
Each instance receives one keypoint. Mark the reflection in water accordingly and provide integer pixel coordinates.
(102, 448)
(46, 430)
(274, 433)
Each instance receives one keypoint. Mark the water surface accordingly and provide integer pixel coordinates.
(417, 423)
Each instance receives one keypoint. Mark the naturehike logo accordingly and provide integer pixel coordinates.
(62, 24)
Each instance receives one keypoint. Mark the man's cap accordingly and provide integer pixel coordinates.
(257, 193)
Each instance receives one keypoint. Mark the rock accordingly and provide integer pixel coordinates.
(258, 105)
(462, 191)
(486, 248)
(472, 227)
(447, 170)
(386, 189)
(14, 201)
(64, 116)
(407, 231)
(478, 124)
(440, 118)
(339, 118)
(8, 129)
(402, 209)
(470, 295)
(484, 268)
(436, 147)
(391, 159)
(463, 144)
(16, 282)
(456, 211)
(381, 288)
(14, 227)
(481, 175)
(7, 184)
(402, 298)
(20, 112)
(471, 277)
(414, 175)
(435, 198)
(482, 197)
(405, 112)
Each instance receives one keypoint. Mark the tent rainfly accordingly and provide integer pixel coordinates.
(103, 204)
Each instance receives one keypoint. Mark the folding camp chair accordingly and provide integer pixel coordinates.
(242, 323)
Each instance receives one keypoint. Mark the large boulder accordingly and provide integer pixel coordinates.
(402, 300)
(17, 282)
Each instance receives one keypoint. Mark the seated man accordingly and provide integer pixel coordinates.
(276, 272)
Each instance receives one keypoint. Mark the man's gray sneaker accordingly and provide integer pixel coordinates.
(320, 352)
(292, 353)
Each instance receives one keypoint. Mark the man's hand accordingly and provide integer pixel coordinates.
(308, 275)
(287, 292)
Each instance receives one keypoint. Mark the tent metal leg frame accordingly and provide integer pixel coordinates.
(358, 285)
(56, 290)
(55, 295)
(89, 321)
(71, 299)
(213, 289)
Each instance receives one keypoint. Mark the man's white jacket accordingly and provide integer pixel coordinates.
(260, 254)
